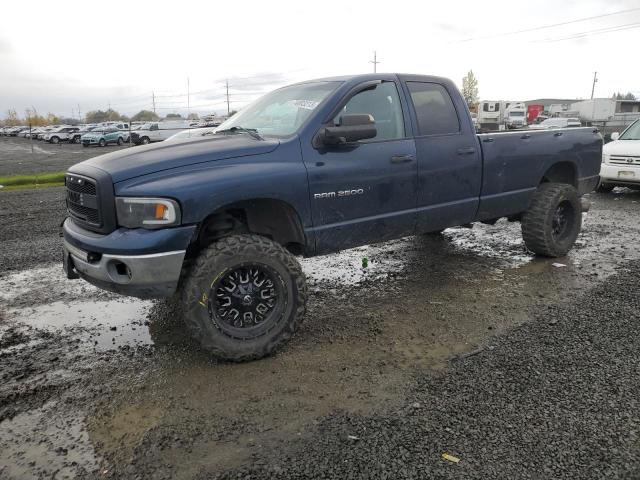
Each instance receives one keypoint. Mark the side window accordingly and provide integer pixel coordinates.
(434, 109)
(383, 103)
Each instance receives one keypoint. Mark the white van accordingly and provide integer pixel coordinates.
(158, 131)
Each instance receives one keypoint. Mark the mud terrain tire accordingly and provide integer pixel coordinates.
(552, 223)
(239, 269)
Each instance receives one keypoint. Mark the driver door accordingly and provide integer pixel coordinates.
(365, 192)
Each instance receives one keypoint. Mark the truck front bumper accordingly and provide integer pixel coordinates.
(620, 174)
(138, 273)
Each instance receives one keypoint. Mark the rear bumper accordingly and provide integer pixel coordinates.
(143, 264)
(620, 174)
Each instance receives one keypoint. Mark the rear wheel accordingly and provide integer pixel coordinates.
(552, 223)
(244, 296)
(120, 141)
(102, 142)
(76, 139)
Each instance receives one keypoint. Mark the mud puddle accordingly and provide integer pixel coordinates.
(151, 401)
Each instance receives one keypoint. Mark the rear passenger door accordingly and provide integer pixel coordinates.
(448, 155)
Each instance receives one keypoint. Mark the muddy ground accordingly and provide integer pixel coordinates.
(462, 343)
(23, 156)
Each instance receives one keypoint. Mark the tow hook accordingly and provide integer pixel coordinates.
(585, 204)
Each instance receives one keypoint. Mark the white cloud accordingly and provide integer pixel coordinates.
(55, 56)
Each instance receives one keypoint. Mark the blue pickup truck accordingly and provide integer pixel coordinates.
(309, 169)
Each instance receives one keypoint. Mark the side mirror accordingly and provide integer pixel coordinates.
(352, 127)
(615, 136)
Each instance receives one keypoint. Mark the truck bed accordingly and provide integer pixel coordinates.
(515, 162)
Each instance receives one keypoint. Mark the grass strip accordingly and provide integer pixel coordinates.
(38, 180)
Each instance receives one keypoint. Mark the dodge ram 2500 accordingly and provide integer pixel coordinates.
(309, 169)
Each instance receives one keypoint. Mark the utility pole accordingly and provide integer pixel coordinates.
(593, 87)
(375, 61)
(188, 99)
(153, 101)
(79, 115)
(228, 107)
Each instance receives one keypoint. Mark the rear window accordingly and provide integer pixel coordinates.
(434, 109)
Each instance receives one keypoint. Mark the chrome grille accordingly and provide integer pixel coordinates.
(82, 200)
(626, 160)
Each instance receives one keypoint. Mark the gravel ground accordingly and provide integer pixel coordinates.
(462, 343)
(30, 227)
(555, 398)
(21, 156)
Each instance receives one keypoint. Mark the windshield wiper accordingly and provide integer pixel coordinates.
(251, 131)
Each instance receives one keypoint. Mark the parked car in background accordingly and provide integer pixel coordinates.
(192, 133)
(44, 131)
(556, 122)
(61, 134)
(621, 160)
(102, 137)
(158, 131)
(13, 132)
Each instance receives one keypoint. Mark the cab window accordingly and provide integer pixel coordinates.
(434, 109)
(383, 104)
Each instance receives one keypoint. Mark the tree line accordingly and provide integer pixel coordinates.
(33, 118)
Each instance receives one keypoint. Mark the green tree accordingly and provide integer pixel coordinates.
(173, 116)
(193, 116)
(470, 88)
(99, 116)
(145, 116)
(52, 119)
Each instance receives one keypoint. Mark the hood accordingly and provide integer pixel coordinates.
(142, 160)
(629, 148)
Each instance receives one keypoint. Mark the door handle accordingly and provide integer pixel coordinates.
(557, 134)
(487, 140)
(401, 158)
(466, 151)
(526, 136)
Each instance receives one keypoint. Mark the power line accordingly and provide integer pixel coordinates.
(542, 27)
(597, 31)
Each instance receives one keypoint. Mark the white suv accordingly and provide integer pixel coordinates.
(621, 160)
(61, 134)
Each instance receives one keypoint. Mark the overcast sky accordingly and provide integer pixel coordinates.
(56, 55)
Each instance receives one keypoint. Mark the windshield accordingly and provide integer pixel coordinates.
(632, 133)
(281, 112)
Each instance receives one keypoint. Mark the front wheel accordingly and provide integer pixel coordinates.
(552, 223)
(144, 140)
(120, 141)
(55, 140)
(244, 296)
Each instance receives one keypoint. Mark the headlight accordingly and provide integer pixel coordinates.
(136, 212)
(605, 158)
